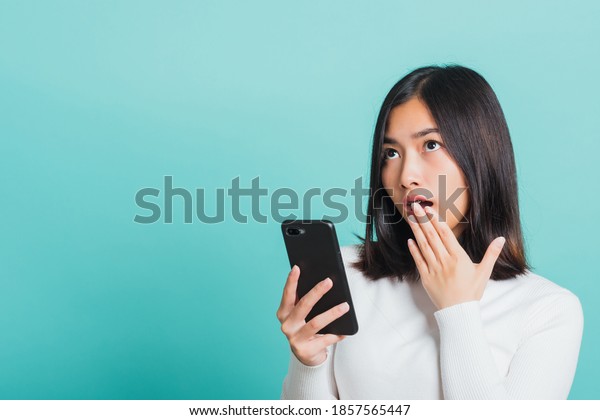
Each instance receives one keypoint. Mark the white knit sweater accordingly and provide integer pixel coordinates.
(520, 341)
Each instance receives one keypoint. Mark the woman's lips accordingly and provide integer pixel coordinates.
(409, 209)
(413, 197)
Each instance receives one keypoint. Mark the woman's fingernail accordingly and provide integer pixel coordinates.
(344, 307)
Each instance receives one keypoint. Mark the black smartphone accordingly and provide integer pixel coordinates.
(312, 245)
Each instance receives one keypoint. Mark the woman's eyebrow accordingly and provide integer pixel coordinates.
(414, 136)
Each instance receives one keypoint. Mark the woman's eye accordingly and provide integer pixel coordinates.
(389, 154)
(393, 154)
(430, 142)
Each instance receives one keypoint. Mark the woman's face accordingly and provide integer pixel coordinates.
(420, 164)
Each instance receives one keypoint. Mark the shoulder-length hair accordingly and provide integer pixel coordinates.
(476, 135)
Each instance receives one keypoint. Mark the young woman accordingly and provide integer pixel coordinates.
(446, 302)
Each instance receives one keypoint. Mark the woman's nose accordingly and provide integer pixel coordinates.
(411, 172)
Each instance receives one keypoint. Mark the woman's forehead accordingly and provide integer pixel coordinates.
(410, 120)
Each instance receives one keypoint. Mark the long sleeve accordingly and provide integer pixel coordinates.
(543, 366)
(310, 382)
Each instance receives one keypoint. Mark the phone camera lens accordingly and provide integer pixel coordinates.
(294, 231)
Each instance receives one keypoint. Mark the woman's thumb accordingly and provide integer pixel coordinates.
(491, 256)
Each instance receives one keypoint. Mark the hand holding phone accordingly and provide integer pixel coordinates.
(308, 347)
(316, 308)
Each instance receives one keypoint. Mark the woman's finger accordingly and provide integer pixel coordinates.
(486, 266)
(430, 233)
(448, 238)
(418, 257)
(322, 320)
(288, 299)
(306, 303)
(421, 241)
(326, 340)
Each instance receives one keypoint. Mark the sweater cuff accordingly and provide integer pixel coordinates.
(307, 382)
(452, 318)
(467, 366)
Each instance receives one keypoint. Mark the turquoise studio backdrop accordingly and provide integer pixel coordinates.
(99, 100)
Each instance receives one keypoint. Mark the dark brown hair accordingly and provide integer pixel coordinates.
(474, 130)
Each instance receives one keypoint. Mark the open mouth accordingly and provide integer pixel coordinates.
(423, 203)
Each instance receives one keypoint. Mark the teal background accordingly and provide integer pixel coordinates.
(100, 99)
